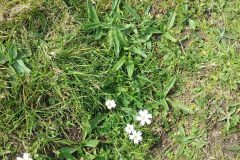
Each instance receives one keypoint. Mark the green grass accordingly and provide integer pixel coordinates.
(60, 61)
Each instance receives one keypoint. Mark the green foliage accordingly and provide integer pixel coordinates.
(60, 61)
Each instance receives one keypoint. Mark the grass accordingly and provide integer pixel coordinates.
(60, 61)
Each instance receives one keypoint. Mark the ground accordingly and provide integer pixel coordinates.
(60, 60)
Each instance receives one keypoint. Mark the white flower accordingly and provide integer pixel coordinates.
(136, 137)
(110, 104)
(26, 156)
(144, 117)
(129, 129)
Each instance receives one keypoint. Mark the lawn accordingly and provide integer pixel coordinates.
(120, 79)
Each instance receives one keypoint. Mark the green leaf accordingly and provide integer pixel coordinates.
(168, 36)
(130, 70)
(171, 20)
(20, 67)
(233, 148)
(99, 118)
(3, 59)
(90, 26)
(165, 104)
(169, 86)
(145, 79)
(119, 64)
(179, 105)
(137, 50)
(199, 143)
(230, 36)
(66, 153)
(116, 43)
(12, 52)
(233, 110)
(132, 12)
(118, 40)
(115, 5)
(152, 30)
(91, 143)
(92, 14)
(181, 130)
(128, 111)
(228, 124)
(223, 118)
(120, 37)
(192, 24)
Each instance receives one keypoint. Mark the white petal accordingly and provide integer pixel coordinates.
(26, 155)
(142, 122)
(19, 158)
(138, 118)
(145, 111)
(139, 133)
(140, 112)
(135, 141)
(131, 136)
(112, 103)
(148, 121)
(107, 103)
(149, 116)
(127, 130)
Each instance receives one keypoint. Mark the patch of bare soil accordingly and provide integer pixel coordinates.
(219, 145)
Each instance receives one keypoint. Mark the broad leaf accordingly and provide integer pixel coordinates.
(91, 143)
(119, 64)
(132, 12)
(20, 67)
(138, 51)
(170, 37)
(179, 105)
(94, 122)
(3, 59)
(130, 70)
(66, 153)
(93, 25)
(169, 86)
(171, 20)
(145, 79)
(120, 37)
(192, 24)
(12, 53)
(92, 14)
(115, 5)
(116, 43)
